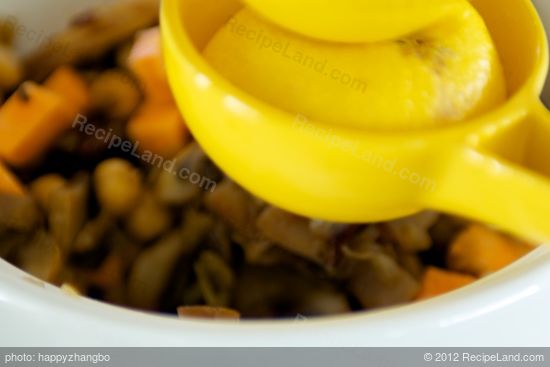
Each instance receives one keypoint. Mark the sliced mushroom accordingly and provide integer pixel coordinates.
(377, 280)
(411, 263)
(327, 230)
(411, 233)
(153, 267)
(292, 233)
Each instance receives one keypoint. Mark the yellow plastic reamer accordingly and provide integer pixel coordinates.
(492, 168)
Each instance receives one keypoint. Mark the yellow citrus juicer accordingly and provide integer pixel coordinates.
(355, 20)
(494, 168)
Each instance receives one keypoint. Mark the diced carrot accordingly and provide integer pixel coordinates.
(146, 62)
(66, 82)
(9, 184)
(30, 121)
(158, 129)
(438, 281)
(479, 251)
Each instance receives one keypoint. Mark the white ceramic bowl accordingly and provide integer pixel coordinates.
(509, 308)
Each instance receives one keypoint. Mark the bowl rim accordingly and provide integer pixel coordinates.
(522, 281)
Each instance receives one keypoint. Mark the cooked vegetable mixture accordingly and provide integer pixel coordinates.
(104, 192)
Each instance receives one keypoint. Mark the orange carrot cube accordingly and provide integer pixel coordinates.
(146, 62)
(30, 120)
(438, 281)
(159, 129)
(479, 251)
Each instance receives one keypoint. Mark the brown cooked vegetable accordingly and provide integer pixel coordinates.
(115, 94)
(43, 189)
(41, 257)
(110, 277)
(11, 71)
(11, 242)
(260, 252)
(411, 233)
(377, 280)
(207, 312)
(327, 230)
(93, 233)
(67, 211)
(411, 262)
(153, 267)
(195, 226)
(235, 206)
(292, 233)
(215, 279)
(18, 213)
(171, 189)
(123, 53)
(149, 219)
(118, 186)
